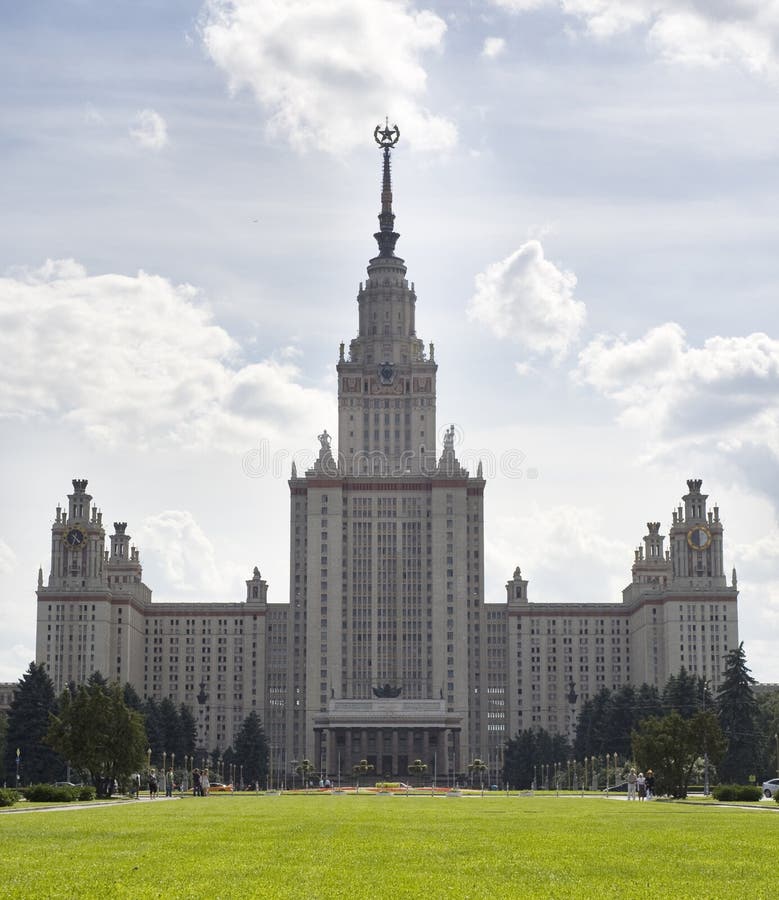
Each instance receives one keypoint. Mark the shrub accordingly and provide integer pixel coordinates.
(8, 797)
(87, 792)
(49, 793)
(728, 793)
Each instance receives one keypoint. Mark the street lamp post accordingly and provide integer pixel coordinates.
(776, 738)
(584, 780)
(18, 757)
(164, 772)
(608, 757)
(148, 760)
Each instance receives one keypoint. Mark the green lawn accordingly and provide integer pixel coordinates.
(390, 846)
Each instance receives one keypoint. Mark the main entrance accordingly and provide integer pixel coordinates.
(389, 734)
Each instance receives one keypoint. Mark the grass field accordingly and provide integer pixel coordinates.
(379, 846)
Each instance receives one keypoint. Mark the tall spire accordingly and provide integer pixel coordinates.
(386, 238)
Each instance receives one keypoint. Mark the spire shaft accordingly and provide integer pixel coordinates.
(386, 237)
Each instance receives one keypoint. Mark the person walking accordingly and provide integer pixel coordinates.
(632, 779)
(641, 785)
(204, 783)
(169, 783)
(650, 784)
(196, 783)
(152, 785)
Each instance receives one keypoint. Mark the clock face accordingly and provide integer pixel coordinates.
(386, 373)
(698, 538)
(74, 537)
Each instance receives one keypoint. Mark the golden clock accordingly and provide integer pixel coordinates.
(699, 538)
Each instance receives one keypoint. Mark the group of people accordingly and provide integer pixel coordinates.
(641, 786)
(200, 783)
(153, 783)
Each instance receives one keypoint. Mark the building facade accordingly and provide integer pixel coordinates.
(386, 650)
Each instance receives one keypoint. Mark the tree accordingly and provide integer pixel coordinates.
(607, 720)
(768, 725)
(687, 694)
(28, 722)
(531, 749)
(417, 767)
(360, 768)
(671, 745)
(155, 733)
(131, 697)
(477, 767)
(738, 714)
(3, 744)
(188, 732)
(99, 734)
(251, 749)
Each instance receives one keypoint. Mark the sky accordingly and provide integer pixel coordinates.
(586, 193)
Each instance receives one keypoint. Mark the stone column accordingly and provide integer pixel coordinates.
(379, 751)
(394, 750)
(317, 748)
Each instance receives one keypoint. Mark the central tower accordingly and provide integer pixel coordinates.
(396, 433)
(386, 575)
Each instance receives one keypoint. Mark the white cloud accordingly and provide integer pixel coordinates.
(730, 383)
(174, 544)
(493, 47)
(326, 71)
(691, 32)
(722, 396)
(139, 359)
(522, 5)
(149, 130)
(15, 661)
(548, 542)
(528, 299)
(7, 558)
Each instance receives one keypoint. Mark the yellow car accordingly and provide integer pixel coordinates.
(218, 788)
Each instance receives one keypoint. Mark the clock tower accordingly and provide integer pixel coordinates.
(696, 540)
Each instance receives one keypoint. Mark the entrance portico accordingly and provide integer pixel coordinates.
(390, 734)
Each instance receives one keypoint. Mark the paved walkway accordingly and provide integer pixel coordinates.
(91, 804)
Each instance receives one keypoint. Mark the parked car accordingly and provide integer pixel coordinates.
(770, 788)
(217, 787)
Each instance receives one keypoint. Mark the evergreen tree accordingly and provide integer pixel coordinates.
(188, 732)
(3, 744)
(170, 727)
(28, 722)
(768, 725)
(131, 698)
(608, 719)
(251, 749)
(686, 694)
(528, 752)
(155, 731)
(738, 714)
(99, 734)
